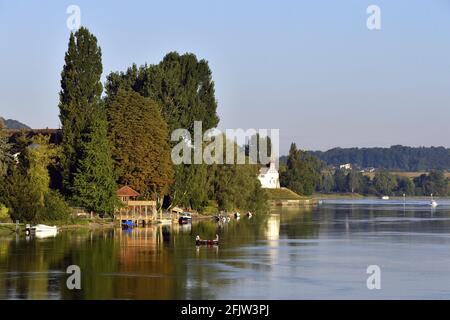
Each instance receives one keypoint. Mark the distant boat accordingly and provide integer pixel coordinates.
(185, 218)
(200, 242)
(433, 203)
(385, 197)
(46, 234)
(44, 228)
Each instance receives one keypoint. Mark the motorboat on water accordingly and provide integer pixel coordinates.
(433, 204)
(185, 218)
(46, 234)
(385, 197)
(200, 242)
(44, 228)
(41, 229)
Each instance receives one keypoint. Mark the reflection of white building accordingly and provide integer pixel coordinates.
(273, 227)
(269, 177)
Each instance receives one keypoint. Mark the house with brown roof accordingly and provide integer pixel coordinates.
(138, 211)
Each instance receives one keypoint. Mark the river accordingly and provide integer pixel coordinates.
(309, 253)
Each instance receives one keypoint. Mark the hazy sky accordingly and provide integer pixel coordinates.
(309, 68)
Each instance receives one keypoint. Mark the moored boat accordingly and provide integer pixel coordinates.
(200, 242)
(127, 224)
(185, 218)
(44, 228)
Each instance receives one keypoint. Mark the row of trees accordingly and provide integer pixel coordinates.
(304, 173)
(385, 183)
(25, 192)
(122, 138)
(395, 158)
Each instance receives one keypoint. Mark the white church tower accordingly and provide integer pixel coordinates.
(269, 177)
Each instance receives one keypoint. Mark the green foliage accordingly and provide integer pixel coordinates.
(384, 182)
(302, 173)
(181, 84)
(36, 159)
(395, 158)
(4, 213)
(405, 186)
(434, 183)
(190, 187)
(80, 97)
(5, 155)
(326, 182)
(236, 187)
(56, 209)
(23, 197)
(139, 139)
(94, 186)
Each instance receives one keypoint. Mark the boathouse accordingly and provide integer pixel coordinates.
(138, 211)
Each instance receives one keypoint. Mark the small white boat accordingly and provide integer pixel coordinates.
(385, 197)
(433, 203)
(46, 234)
(44, 228)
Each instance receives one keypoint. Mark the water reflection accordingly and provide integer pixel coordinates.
(296, 253)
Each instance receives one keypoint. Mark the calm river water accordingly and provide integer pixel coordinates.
(316, 253)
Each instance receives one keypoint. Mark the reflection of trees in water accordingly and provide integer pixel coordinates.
(158, 262)
(298, 223)
(32, 266)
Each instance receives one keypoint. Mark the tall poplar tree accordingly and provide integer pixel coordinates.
(94, 186)
(80, 96)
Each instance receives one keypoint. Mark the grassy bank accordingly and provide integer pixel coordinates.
(325, 196)
(284, 194)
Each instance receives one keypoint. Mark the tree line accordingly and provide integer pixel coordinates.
(305, 174)
(118, 134)
(395, 158)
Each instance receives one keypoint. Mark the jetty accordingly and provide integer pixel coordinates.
(140, 212)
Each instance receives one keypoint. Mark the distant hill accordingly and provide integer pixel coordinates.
(14, 124)
(397, 158)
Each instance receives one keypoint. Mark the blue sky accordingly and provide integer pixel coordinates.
(309, 68)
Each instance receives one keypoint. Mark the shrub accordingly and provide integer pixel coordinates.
(4, 213)
(55, 207)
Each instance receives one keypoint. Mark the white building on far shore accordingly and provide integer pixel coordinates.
(269, 177)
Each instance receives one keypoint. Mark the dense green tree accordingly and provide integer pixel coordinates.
(262, 146)
(405, 186)
(433, 183)
(236, 186)
(395, 158)
(183, 87)
(190, 189)
(140, 147)
(326, 182)
(38, 157)
(23, 197)
(80, 97)
(5, 155)
(94, 186)
(302, 173)
(340, 180)
(355, 182)
(181, 84)
(384, 182)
